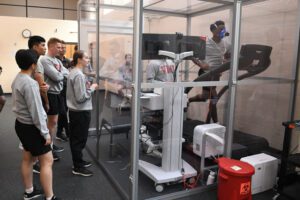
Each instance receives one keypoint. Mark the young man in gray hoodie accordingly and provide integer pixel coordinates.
(31, 126)
(54, 73)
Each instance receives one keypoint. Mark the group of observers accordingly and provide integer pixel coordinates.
(45, 88)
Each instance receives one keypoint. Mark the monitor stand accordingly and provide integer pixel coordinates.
(174, 168)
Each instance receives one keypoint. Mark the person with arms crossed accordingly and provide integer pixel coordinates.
(62, 116)
(54, 73)
(37, 44)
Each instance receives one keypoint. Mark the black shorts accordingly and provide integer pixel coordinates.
(55, 104)
(212, 78)
(31, 139)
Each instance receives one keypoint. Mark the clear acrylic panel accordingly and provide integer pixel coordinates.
(110, 146)
(264, 100)
(272, 23)
(183, 7)
(163, 150)
(259, 112)
(117, 2)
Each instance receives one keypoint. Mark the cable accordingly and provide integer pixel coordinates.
(173, 101)
(187, 185)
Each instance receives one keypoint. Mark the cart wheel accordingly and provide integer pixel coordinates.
(159, 187)
(276, 197)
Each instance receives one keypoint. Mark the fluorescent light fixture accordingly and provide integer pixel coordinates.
(114, 2)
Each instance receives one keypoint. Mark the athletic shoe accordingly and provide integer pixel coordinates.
(55, 156)
(36, 168)
(86, 164)
(62, 137)
(54, 198)
(57, 149)
(82, 172)
(35, 193)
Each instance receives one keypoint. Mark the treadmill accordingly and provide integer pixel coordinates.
(253, 60)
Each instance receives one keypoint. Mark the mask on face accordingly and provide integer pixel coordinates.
(222, 33)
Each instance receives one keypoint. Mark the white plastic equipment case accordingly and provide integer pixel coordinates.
(266, 167)
(214, 144)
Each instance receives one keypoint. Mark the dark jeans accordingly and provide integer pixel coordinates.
(79, 126)
(62, 116)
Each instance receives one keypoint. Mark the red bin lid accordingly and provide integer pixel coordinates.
(236, 167)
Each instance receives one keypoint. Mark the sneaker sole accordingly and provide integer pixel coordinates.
(35, 196)
(81, 174)
(86, 166)
(58, 151)
(60, 139)
(35, 171)
(56, 159)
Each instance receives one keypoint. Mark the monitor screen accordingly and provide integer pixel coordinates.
(152, 43)
(195, 44)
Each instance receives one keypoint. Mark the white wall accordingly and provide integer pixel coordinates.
(12, 40)
(54, 9)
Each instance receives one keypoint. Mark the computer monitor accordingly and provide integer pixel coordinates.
(193, 43)
(152, 43)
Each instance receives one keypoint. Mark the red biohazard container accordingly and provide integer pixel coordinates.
(234, 180)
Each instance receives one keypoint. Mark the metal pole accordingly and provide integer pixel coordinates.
(26, 3)
(137, 70)
(188, 32)
(295, 76)
(295, 70)
(63, 9)
(78, 21)
(97, 74)
(236, 24)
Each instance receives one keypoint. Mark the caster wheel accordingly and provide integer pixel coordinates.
(159, 187)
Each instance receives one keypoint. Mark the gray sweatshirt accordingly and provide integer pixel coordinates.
(53, 71)
(27, 104)
(79, 93)
(160, 70)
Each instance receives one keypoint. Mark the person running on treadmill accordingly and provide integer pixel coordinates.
(216, 55)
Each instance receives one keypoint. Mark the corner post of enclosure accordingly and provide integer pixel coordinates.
(295, 69)
(78, 21)
(236, 25)
(137, 74)
(188, 32)
(97, 73)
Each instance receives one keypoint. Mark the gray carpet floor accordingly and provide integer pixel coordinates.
(66, 185)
